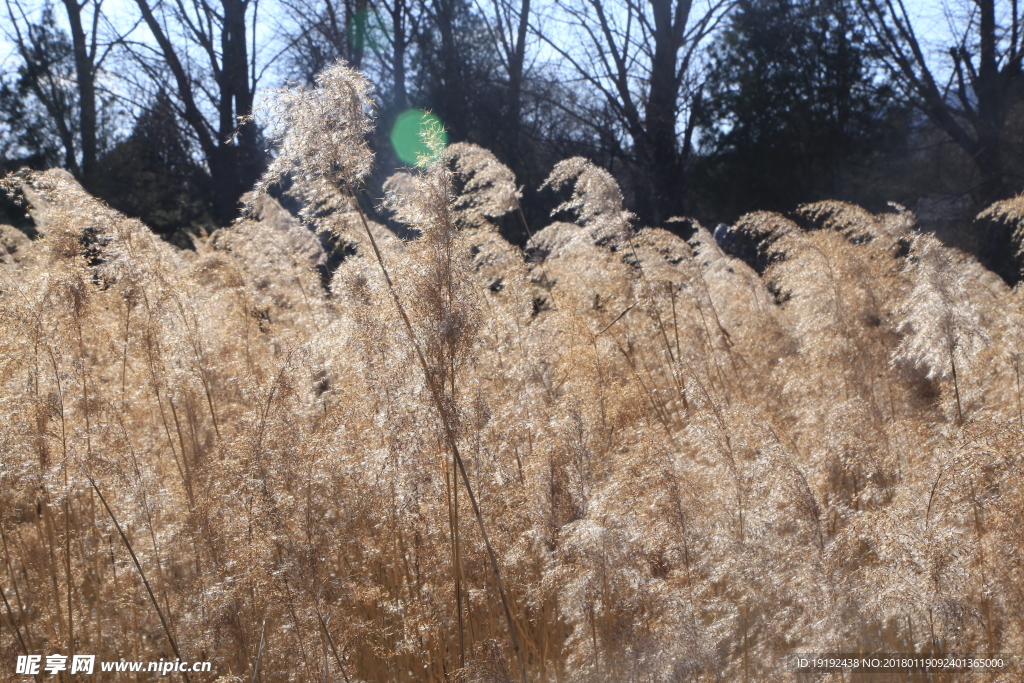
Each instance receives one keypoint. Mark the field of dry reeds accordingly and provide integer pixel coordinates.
(620, 455)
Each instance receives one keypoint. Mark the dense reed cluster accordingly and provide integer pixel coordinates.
(617, 456)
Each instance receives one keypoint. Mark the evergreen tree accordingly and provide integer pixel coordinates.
(39, 103)
(794, 106)
(27, 134)
(153, 175)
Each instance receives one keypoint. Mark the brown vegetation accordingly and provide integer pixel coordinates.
(667, 466)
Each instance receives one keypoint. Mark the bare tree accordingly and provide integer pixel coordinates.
(639, 56)
(508, 23)
(973, 103)
(371, 36)
(45, 51)
(404, 23)
(444, 16)
(86, 47)
(324, 32)
(210, 53)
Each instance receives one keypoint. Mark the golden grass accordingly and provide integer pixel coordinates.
(680, 469)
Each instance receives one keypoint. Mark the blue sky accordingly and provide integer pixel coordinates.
(929, 15)
(932, 19)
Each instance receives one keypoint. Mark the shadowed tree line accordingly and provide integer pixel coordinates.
(708, 109)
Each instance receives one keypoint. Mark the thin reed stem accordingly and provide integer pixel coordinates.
(449, 434)
(142, 575)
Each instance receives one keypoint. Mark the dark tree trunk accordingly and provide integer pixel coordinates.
(400, 41)
(452, 105)
(984, 81)
(355, 27)
(662, 153)
(516, 62)
(85, 71)
(231, 149)
(238, 144)
(991, 117)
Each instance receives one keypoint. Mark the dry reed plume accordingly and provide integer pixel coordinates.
(627, 457)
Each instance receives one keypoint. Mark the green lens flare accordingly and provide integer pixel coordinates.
(415, 134)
